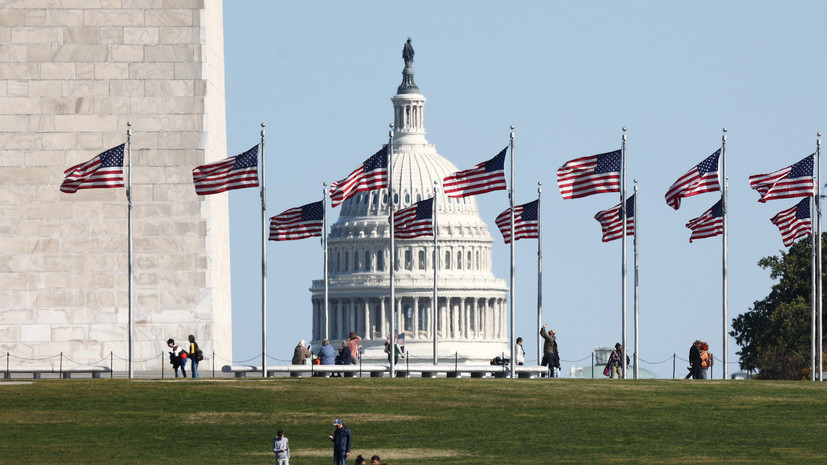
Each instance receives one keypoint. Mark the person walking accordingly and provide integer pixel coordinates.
(194, 354)
(281, 448)
(549, 350)
(519, 352)
(694, 360)
(177, 357)
(616, 361)
(705, 361)
(341, 443)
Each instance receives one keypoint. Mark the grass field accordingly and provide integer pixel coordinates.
(407, 421)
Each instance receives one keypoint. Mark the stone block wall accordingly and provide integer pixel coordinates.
(72, 74)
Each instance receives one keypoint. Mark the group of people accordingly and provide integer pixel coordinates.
(700, 359)
(341, 447)
(348, 354)
(180, 354)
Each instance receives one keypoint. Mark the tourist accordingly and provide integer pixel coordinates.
(341, 443)
(281, 448)
(375, 460)
(694, 360)
(549, 350)
(353, 342)
(704, 354)
(195, 355)
(178, 358)
(361, 460)
(344, 355)
(616, 361)
(301, 353)
(519, 352)
(326, 354)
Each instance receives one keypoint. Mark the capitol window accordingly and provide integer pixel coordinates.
(468, 262)
(367, 261)
(408, 260)
(380, 261)
(421, 259)
(347, 261)
(459, 260)
(447, 260)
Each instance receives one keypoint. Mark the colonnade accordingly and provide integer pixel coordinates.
(460, 318)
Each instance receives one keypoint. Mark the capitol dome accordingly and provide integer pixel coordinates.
(472, 310)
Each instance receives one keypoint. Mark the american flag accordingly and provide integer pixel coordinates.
(792, 181)
(794, 222)
(710, 224)
(700, 179)
(485, 177)
(611, 220)
(236, 172)
(373, 174)
(298, 223)
(414, 221)
(585, 176)
(526, 222)
(103, 171)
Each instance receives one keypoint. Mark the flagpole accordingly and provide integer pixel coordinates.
(263, 263)
(434, 305)
(324, 248)
(623, 247)
(539, 270)
(513, 241)
(818, 260)
(392, 261)
(813, 288)
(725, 254)
(637, 289)
(129, 240)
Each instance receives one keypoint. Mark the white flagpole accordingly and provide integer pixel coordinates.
(813, 288)
(129, 227)
(513, 271)
(324, 248)
(637, 288)
(434, 304)
(539, 270)
(623, 247)
(262, 179)
(392, 261)
(818, 260)
(725, 255)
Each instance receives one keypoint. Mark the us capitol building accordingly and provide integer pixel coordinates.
(472, 304)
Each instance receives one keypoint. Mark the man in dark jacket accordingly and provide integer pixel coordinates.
(694, 360)
(341, 443)
(550, 359)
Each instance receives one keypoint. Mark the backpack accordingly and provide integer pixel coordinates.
(199, 355)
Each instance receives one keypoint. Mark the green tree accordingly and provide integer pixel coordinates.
(774, 334)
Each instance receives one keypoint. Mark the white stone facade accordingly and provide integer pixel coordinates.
(73, 74)
(472, 304)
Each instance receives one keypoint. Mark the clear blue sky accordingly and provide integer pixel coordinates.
(569, 76)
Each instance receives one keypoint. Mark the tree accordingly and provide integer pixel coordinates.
(774, 334)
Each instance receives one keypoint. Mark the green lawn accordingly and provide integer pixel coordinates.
(414, 421)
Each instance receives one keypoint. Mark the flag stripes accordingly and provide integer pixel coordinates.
(611, 220)
(526, 222)
(485, 177)
(238, 172)
(792, 181)
(710, 224)
(794, 222)
(590, 175)
(414, 221)
(372, 174)
(298, 223)
(700, 179)
(103, 171)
